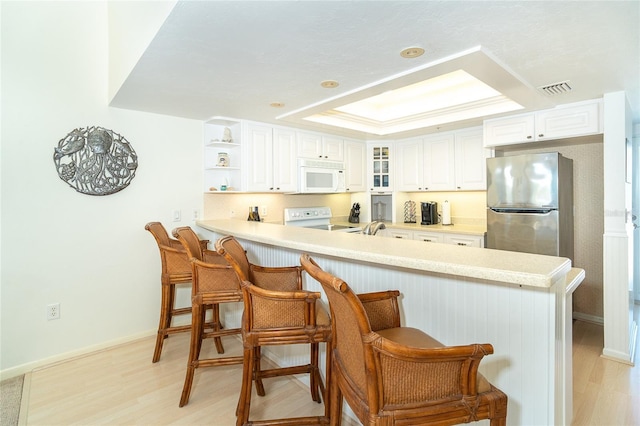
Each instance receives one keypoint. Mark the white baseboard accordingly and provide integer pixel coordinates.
(67, 356)
(588, 318)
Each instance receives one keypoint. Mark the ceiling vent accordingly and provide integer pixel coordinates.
(556, 88)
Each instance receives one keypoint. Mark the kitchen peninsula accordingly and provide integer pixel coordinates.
(518, 302)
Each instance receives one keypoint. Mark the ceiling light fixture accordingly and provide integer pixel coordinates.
(464, 88)
(412, 52)
(450, 97)
(329, 84)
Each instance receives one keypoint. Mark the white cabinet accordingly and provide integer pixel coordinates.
(355, 166)
(565, 121)
(568, 121)
(401, 234)
(443, 162)
(312, 145)
(439, 162)
(410, 170)
(464, 240)
(222, 159)
(429, 237)
(470, 160)
(436, 237)
(271, 159)
(379, 159)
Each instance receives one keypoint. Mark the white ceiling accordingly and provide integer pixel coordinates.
(234, 58)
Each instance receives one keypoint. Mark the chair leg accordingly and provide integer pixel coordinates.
(216, 327)
(244, 401)
(257, 367)
(314, 379)
(165, 319)
(498, 421)
(194, 353)
(328, 381)
(335, 402)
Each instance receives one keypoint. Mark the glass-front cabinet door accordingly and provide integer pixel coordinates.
(381, 164)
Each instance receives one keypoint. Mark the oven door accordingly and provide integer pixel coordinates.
(320, 180)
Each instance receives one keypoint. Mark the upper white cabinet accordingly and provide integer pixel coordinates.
(443, 162)
(565, 121)
(355, 166)
(222, 155)
(439, 162)
(312, 145)
(470, 160)
(379, 160)
(271, 154)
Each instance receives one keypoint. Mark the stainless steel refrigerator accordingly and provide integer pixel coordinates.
(530, 204)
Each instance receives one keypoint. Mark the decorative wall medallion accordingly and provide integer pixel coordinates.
(95, 161)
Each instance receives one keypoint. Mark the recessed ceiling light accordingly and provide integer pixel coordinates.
(276, 104)
(412, 52)
(329, 84)
(449, 97)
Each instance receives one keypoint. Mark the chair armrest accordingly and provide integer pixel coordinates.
(412, 374)
(282, 278)
(381, 308)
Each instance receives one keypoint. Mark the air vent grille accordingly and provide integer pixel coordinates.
(556, 88)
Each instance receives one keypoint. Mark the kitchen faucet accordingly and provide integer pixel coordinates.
(373, 227)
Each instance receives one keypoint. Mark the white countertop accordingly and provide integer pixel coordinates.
(495, 265)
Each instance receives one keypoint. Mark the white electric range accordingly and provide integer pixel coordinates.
(316, 218)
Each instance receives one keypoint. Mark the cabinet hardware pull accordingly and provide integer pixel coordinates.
(529, 137)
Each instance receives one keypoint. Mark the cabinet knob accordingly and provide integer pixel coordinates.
(541, 135)
(529, 137)
(271, 189)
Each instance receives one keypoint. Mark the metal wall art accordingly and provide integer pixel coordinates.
(95, 161)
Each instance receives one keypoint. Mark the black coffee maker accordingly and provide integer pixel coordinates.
(429, 213)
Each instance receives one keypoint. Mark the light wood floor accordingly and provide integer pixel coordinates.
(121, 386)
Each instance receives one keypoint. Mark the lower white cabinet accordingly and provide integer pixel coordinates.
(436, 237)
(464, 240)
(402, 234)
(428, 237)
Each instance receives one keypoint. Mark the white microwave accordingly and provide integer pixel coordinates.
(320, 176)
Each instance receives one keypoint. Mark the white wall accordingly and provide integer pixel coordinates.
(89, 253)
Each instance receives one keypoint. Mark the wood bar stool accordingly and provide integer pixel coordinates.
(176, 269)
(214, 282)
(277, 311)
(390, 374)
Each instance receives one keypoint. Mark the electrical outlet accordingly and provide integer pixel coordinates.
(232, 213)
(194, 214)
(53, 311)
(263, 211)
(176, 215)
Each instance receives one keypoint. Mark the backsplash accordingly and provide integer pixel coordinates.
(221, 206)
